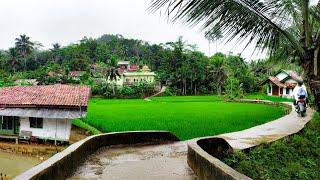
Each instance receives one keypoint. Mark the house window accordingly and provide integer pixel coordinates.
(36, 122)
(7, 122)
(287, 91)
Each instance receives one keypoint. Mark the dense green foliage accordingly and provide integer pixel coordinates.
(294, 157)
(177, 64)
(187, 117)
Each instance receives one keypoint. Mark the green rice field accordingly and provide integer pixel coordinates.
(186, 116)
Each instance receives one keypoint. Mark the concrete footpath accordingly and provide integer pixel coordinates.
(268, 132)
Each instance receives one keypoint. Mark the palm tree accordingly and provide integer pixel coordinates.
(55, 51)
(24, 47)
(218, 71)
(113, 73)
(55, 47)
(269, 24)
(13, 58)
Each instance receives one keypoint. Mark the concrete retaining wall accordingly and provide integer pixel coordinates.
(204, 153)
(205, 165)
(63, 164)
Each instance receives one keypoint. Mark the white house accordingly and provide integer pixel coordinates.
(43, 112)
(130, 74)
(282, 84)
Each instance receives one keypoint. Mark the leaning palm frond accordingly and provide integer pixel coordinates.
(260, 22)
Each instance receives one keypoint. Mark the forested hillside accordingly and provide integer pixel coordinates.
(177, 64)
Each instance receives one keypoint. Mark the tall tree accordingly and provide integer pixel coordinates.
(13, 56)
(24, 47)
(267, 23)
(55, 51)
(217, 68)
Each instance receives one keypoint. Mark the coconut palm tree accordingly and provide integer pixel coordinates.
(24, 47)
(269, 24)
(55, 51)
(218, 71)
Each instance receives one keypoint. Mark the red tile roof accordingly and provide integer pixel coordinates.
(276, 81)
(56, 96)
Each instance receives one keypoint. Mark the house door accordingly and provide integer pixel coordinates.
(275, 90)
(9, 125)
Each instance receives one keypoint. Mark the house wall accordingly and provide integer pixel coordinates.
(63, 127)
(291, 81)
(289, 95)
(132, 79)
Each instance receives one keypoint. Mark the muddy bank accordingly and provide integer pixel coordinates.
(166, 161)
(13, 164)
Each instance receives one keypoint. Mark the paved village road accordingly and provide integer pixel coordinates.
(166, 161)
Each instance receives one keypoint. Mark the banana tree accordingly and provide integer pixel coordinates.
(271, 25)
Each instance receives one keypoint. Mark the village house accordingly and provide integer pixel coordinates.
(76, 75)
(282, 84)
(41, 112)
(145, 75)
(130, 74)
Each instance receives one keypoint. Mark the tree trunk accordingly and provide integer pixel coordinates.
(314, 84)
(219, 89)
(308, 63)
(315, 62)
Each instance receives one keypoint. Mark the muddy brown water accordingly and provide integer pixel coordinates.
(13, 164)
(166, 161)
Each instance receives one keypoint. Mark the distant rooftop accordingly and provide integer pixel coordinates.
(54, 96)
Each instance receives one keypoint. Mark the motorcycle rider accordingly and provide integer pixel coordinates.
(299, 91)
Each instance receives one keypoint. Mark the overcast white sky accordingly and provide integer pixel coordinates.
(66, 21)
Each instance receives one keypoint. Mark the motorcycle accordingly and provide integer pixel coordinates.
(301, 106)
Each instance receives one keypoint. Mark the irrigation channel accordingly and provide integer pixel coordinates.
(141, 161)
(14, 164)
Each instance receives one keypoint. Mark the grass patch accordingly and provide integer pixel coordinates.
(294, 157)
(83, 125)
(187, 117)
(261, 96)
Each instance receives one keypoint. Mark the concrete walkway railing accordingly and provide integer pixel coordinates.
(204, 153)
